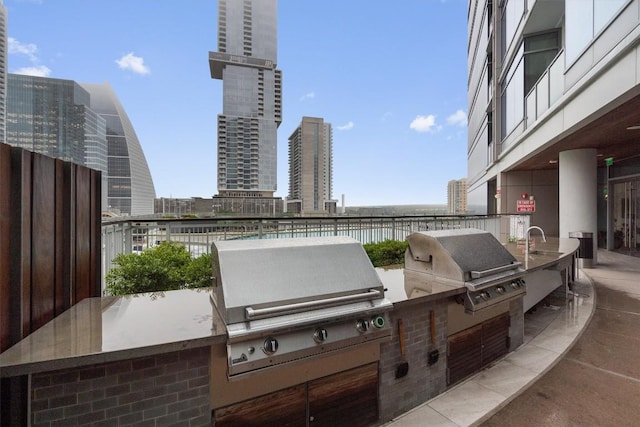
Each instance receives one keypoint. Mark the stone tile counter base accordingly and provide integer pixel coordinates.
(167, 389)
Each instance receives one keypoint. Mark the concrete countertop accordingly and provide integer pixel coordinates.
(395, 290)
(107, 329)
(543, 255)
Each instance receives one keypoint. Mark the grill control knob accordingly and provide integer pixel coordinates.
(320, 335)
(378, 322)
(500, 290)
(270, 345)
(363, 325)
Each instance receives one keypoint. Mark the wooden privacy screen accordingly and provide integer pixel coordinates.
(50, 218)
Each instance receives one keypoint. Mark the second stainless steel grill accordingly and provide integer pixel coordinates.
(465, 257)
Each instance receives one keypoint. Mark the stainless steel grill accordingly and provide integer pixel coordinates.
(288, 299)
(465, 257)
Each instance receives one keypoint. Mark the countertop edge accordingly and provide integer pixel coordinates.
(39, 366)
(429, 298)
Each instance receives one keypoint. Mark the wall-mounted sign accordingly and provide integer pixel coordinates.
(525, 206)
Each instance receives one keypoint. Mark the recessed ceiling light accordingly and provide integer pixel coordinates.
(599, 155)
(553, 161)
(634, 127)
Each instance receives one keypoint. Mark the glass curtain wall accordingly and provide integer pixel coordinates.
(626, 215)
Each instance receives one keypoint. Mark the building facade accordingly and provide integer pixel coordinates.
(311, 168)
(252, 98)
(84, 124)
(3, 70)
(53, 117)
(553, 96)
(457, 196)
(48, 116)
(130, 189)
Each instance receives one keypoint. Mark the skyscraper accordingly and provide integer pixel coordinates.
(130, 187)
(84, 124)
(252, 105)
(311, 168)
(457, 196)
(3, 71)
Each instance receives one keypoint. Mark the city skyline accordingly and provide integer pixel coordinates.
(391, 80)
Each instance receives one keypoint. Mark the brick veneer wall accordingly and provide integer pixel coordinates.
(168, 389)
(422, 381)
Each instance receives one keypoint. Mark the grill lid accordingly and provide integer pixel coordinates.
(464, 254)
(269, 277)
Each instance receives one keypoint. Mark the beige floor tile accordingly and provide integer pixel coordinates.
(505, 378)
(533, 358)
(466, 403)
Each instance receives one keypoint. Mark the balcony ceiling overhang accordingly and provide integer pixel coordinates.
(608, 134)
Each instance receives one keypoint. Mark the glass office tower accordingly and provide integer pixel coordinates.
(48, 116)
(84, 124)
(252, 106)
(130, 187)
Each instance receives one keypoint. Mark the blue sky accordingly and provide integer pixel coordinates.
(389, 75)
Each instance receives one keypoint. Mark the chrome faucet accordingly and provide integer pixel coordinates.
(526, 242)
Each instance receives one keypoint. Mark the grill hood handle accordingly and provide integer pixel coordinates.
(257, 313)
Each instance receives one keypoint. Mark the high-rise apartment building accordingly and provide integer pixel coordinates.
(457, 196)
(554, 92)
(311, 168)
(252, 105)
(3, 71)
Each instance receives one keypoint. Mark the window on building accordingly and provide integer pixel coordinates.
(584, 20)
(539, 52)
(512, 13)
(512, 101)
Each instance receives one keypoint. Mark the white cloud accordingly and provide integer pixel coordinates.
(310, 95)
(27, 49)
(423, 123)
(36, 70)
(459, 118)
(348, 126)
(133, 63)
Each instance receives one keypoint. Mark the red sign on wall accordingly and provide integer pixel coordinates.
(526, 206)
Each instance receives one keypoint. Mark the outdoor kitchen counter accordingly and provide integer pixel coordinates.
(396, 291)
(545, 255)
(108, 329)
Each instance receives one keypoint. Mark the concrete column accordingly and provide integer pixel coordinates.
(578, 191)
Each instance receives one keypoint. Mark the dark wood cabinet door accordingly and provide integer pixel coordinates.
(470, 350)
(284, 408)
(464, 354)
(348, 398)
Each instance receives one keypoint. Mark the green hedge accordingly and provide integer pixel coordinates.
(386, 253)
